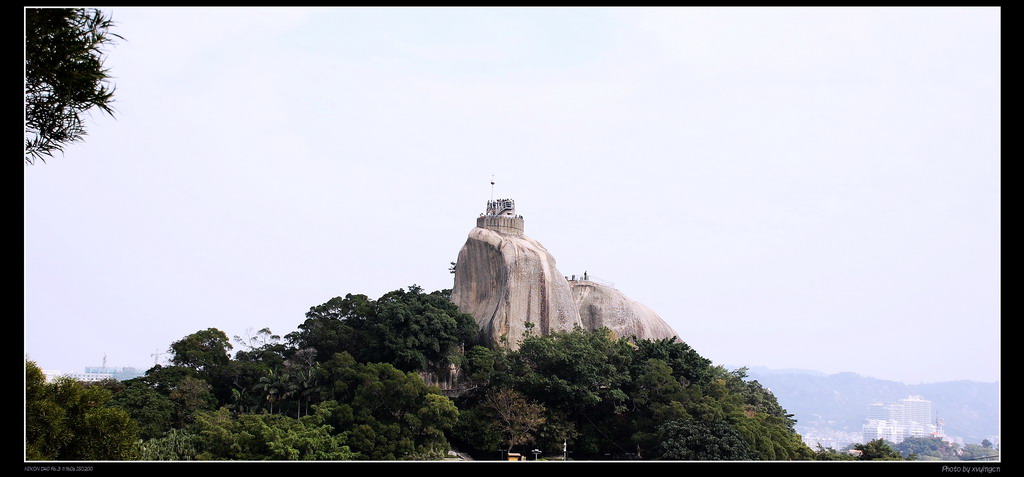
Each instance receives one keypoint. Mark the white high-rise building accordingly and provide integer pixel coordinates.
(917, 419)
(886, 411)
(891, 431)
(910, 417)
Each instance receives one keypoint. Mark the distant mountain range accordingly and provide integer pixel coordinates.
(969, 409)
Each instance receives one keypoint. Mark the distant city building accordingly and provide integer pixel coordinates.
(917, 419)
(96, 373)
(883, 429)
(910, 417)
(52, 374)
(816, 435)
(120, 374)
(885, 411)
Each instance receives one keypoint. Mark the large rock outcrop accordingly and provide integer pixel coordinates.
(506, 280)
(600, 305)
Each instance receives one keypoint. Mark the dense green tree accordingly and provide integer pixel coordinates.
(571, 371)
(756, 397)
(415, 331)
(154, 412)
(475, 432)
(190, 396)
(977, 452)
(110, 384)
(410, 329)
(515, 416)
(66, 420)
(582, 375)
(770, 436)
(557, 429)
(926, 448)
(165, 378)
(755, 413)
(64, 75)
(656, 383)
(684, 360)
(878, 449)
(657, 395)
(236, 385)
(302, 379)
(388, 414)
(608, 397)
(176, 444)
(478, 365)
(695, 439)
(227, 436)
(202, 350)
(264, 347)
(828, 453)
(334, 327)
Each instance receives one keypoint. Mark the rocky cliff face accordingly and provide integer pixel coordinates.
(506, 279)
(601, 305)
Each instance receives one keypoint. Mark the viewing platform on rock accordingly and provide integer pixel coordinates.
(501, 217)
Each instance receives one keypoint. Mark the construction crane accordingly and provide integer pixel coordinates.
(157, 356)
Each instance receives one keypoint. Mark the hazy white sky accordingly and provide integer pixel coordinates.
(809, 188)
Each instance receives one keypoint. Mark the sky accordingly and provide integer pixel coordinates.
(812, 188)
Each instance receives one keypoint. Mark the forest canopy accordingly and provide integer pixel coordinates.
(403, 377)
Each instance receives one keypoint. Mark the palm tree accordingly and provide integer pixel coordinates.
(290, 386)
(272, 385)
(310, 384)
(236, 401)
